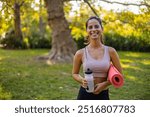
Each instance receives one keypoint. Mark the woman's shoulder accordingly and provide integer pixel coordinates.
(79, 52)
(111, 50)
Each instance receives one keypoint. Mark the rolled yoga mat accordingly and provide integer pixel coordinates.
(115, 77)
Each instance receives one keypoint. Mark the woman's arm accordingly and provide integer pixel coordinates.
(115, 59)
(77, 61)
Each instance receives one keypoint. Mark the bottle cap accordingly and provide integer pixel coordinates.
(88, 71)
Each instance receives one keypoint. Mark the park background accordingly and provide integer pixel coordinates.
(38, 39)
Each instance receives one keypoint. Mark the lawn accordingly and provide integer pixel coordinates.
(23, 77)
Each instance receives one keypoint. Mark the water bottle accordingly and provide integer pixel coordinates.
(90, 82)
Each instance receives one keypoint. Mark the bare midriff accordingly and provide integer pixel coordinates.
(100, 80)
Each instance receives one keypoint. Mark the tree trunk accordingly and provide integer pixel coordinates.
(17, 23)
(63, 46)
(42, 25)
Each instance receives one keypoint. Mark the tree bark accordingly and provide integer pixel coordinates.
(42, 25)
(63, 46)
(17, 23)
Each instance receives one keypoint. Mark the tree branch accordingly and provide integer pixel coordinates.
(142, 3)
(86, 1)
(127, 4)
(21, 3)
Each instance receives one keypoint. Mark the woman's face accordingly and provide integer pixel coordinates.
(94, 29)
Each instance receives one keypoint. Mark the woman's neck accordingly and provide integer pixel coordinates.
(95, 44)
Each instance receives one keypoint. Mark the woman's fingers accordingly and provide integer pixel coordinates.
(98, 88)
(84, 83)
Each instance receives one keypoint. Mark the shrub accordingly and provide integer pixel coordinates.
(80, 42)
(119, 42)
(38, 41)
(35, 40)
(131, 43)
(10, 42)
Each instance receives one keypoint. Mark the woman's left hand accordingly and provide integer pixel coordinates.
(99, 87)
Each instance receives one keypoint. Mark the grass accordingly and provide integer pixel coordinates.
(22, 77)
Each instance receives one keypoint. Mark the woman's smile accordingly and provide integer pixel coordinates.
(94, 34)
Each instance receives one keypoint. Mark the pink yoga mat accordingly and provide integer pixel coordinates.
(115, 77)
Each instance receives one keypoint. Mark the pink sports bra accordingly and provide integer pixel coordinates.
(98, 67)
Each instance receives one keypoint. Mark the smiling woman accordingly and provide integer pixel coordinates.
(95, 57)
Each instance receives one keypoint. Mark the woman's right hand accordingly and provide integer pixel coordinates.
(84, 83)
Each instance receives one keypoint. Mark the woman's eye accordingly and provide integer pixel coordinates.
(96, 26)
(90, 27)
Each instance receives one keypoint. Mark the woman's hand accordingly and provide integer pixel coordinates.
(101, 86)
(84, 83)
(98, 88)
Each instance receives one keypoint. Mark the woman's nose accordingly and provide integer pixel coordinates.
(93, 29)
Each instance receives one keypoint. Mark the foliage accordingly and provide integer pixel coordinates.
(10, 41)
(122, 30)
(129, 32)
(23, 77)
(38, 41)
(35, 40)
(32, 37)
(77, 22)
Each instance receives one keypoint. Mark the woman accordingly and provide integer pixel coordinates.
(97, 57)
